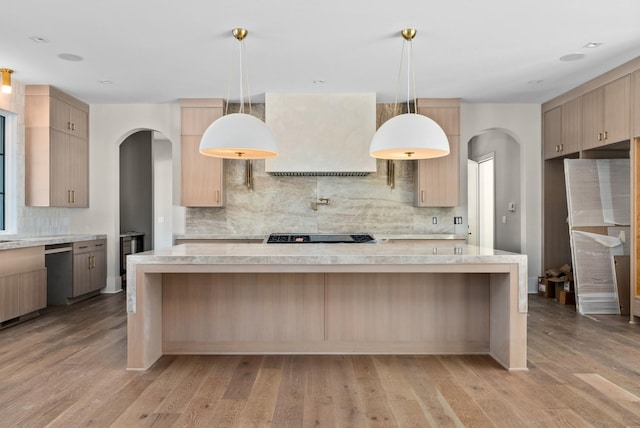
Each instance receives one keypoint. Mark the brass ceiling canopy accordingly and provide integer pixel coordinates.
(239, 33)
(409, 33)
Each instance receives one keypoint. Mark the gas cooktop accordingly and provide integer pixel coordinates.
(317, 238)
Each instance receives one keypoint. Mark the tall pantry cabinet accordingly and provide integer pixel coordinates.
(56, 148)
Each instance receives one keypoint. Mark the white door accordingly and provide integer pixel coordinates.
(481, 201)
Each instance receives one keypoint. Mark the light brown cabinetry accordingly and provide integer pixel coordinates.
(56, 149)
(563, 129)
(552, 132)
(635, 101)
(606, 114)
(437, 181)
(202, 176)
(89, 266)
(23, 282)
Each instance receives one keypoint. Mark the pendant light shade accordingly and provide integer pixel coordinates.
(239, 135)
(410, 135)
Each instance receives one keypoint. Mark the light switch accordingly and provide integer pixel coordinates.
(504, 219)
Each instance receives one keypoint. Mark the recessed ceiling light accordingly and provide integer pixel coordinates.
(106, 82)
(319, 81)
(39, 39)
(70, 57)
(572, 57)
(534, 82)
(592, 45)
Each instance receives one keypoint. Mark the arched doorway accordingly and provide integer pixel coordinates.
(145, 194)
(494, 191)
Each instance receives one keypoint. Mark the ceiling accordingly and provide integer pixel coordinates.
(156, 51)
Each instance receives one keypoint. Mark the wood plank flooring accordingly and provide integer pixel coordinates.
(67, 369)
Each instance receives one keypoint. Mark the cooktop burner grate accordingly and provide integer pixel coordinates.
(281, 238)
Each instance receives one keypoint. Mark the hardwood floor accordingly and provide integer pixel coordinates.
(67, 369)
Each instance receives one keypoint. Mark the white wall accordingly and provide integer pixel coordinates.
(109, 126)
(523, 122)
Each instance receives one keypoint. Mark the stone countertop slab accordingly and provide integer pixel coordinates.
(263, 257)
(9, 242)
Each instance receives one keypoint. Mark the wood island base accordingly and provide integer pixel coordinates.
(433, 309)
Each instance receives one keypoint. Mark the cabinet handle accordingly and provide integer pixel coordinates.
(68, 125)
(73, 126)
(83, 246)
(73, 196)
(561, 147)
(68, 196)
(599, 136)
(606, 135)
(99, 245)
(217, 196)
(422, 196)
(89, 262)
(557, 148)
(93, 261)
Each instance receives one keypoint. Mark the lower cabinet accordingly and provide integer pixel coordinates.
(23, 282)
(89, 266)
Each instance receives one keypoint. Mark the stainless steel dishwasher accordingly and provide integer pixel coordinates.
(58, 258)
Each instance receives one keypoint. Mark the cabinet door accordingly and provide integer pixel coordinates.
(59, 170)
(438, 179)
(60, 115)
(81, 274)
(79, 123)
(202, 176)
(617, 116)
(593, 118)
(9, 297)
(33, 291)
(571, 126)
(447, 117)
(196, 120)
(79, 172)
(552, 132)
(99, 269)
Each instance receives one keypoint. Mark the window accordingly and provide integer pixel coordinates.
(2, 169)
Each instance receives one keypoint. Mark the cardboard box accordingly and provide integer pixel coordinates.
(567, 298)
(546, 288)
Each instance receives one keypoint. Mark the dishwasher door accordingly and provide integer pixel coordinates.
(58, 259)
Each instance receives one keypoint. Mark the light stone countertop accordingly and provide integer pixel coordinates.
(266, 257)
(9, 242)
(378, 236)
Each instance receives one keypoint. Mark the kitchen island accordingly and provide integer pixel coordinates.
(405, 298)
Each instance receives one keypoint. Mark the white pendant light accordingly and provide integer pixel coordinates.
(410, 135)
(239, 135)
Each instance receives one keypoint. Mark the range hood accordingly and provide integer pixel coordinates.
(321, 134)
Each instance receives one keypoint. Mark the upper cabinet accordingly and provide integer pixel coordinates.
(438, 180)
(552, 132)
(202, 176)
(606, 114)
(562, 133)
(56, 148)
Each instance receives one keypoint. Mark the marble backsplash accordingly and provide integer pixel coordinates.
(357, 204)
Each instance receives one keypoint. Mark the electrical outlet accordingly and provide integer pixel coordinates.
(457, 220)
(434, 220)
